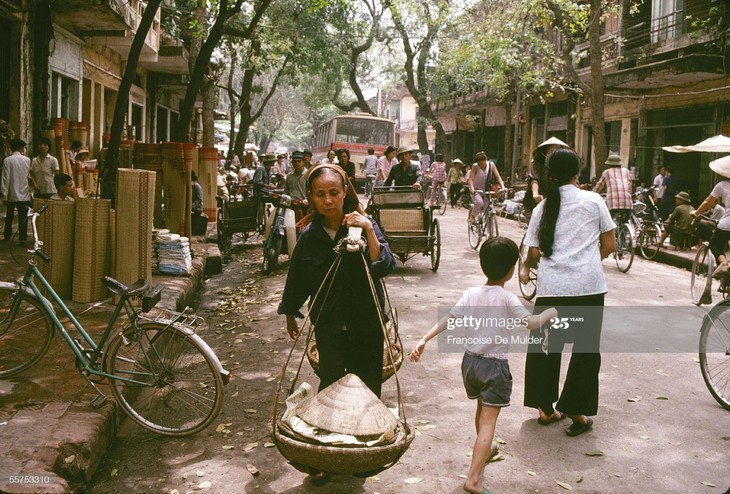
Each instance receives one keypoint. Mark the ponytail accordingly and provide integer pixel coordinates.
(563, 164)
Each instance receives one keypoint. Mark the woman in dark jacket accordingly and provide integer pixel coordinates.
(347, 325)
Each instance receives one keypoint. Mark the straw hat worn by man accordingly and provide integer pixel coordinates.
(405, 172)
(617, 182)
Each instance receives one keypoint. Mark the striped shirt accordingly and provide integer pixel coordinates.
(618, 187)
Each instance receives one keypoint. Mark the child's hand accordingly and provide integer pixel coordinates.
(418, 351)
(548, 314)
(524, 275)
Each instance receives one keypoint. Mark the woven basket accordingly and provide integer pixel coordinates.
(149, 157)
(133, 245)
(175, 186)
(56, 231)
(306, 456)
(93, 250)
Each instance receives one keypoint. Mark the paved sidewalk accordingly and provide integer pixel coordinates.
(53, 440)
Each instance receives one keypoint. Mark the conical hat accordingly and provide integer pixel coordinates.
(347, 407)
(721, 166)
(553, 141)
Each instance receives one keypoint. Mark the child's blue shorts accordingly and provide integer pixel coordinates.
(487, 378)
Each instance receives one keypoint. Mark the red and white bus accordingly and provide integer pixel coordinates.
(357, 133)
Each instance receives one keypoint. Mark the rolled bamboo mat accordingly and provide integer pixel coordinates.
(208, 178)
(56, 231)
(92, 250)
(173, 173)
(78, 131)
(91, 182)
(135, 203)
(149, 157)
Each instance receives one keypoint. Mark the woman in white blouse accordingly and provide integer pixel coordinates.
(570, 233)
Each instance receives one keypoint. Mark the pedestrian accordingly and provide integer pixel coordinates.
(262, 184)
(456, 180)
(657, 184)
(681, 224)
(537, 174)
(79, 165)
(484, 367)
(15, 188)
(405, 173)
(720, 193)
(666, 205)
(307, 159)
(370, 166)
(384, 165)
(295, 184)
(570, 232)
(331, 158)
(43, 168)
(64, 186)
(617, 182)
(437, 171)
(343, 160)
(75, 146)
(346, 319)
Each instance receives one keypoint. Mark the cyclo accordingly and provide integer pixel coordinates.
(408, 226)
(239, 214)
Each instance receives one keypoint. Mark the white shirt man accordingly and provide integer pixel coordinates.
(659, 192)
(42, 169)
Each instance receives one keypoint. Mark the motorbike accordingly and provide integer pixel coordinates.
(281, 232)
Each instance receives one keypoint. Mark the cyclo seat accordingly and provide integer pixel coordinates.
(119, 288)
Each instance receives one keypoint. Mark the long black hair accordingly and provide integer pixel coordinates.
(563, 164)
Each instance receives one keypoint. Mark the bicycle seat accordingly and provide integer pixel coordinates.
(119, 288)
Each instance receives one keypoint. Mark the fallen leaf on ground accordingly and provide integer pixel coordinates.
(412, 480)
(374, 477)
(708, 484)
(205, 485)
(227, 447)
(269, 445)
(662, 397)
(200, 473)
(643, 437)
(250, 446)
(250, 410)
(634, 399)
(500, 440)
(410, 393)
(662, 373)
(531, 473)
(115, 472)
(578, 479)
(252, 469)
(565, 486)
(234, 394)
(496, 458)
(270, 379)
(595, 453)
(462, 476)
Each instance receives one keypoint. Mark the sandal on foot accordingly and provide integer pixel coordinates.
(576, 428)
(552, 419)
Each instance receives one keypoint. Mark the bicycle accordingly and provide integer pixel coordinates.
(162, 374)
(714, 352)
(528, 289)
(441, 199)
(702, 268)
(625, 243)
(485, 224)
(648, 225)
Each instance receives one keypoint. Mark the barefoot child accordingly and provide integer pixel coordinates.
(484, 368)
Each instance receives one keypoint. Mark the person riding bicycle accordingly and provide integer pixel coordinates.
(437, 170)
(537, 176)
(617, 182)
(721, 191)
(482, 175)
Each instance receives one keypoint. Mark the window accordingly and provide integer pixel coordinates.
(64, 97)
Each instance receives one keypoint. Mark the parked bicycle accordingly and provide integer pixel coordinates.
(714, 352)
(485, 224)
(162, 374)
(441, 199)
(647, 223)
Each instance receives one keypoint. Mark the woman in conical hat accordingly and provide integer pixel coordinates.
(721, 192)
(537, 174)
(345, 315)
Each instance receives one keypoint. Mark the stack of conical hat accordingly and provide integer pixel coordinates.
(347, 407)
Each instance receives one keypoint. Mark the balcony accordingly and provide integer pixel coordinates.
(111, 23)
(172, 58)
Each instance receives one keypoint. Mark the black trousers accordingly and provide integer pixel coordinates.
(583, 317)
(454, 192)
(22, 208)
(718, 242)
(350, 351)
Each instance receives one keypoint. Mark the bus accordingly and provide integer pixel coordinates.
(357, 133)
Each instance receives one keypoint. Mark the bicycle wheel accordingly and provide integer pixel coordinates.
(25, 331)
(715, 353)
(701, 280)
(176, 387)
(624, 254)
(474, 231)
(271, 255)
(435, 245)
(492, 226)
(649, 241)
(442, 200)
(529, 289)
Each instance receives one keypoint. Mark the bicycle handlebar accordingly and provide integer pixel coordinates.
(37, 243)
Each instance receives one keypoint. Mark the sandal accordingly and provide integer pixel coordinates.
(576, 428)
(552, 419)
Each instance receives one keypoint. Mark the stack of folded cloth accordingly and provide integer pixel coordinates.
(155, 257)
(173, 254)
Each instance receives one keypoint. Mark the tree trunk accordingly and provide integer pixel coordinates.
(109, 171)
(507, 159)
(209, 100)
(597, 101)
(422, 137)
